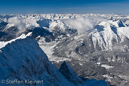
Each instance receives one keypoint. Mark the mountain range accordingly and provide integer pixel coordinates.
(94, 45)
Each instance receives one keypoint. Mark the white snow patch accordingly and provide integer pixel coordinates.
(23, 36)
(9, 25)
(57, 24)
(124, 31)
(106, 66)
(126, 77)
(98, 63)
(47, 47)
(108, 77)
(81, 64)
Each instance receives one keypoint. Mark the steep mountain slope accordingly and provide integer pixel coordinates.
(68, 72)
(23, 59)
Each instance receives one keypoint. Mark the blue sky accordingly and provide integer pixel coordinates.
(64, 6)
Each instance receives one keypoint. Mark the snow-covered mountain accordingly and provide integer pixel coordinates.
(98, 40)
(22, 59)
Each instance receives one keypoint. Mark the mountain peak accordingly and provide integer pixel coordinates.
(69, 73)
(121, 24)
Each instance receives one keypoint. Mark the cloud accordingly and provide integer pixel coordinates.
(82, 25)
(18, 22)
(22, 24)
